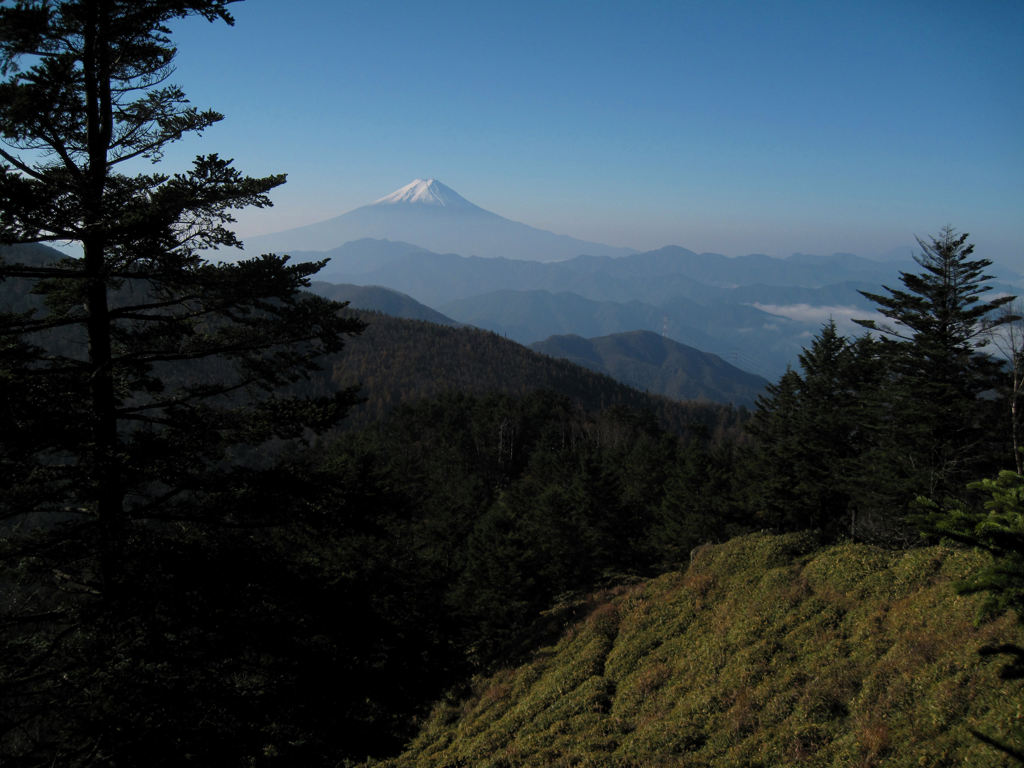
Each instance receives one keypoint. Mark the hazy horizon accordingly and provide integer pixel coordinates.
(723, 127)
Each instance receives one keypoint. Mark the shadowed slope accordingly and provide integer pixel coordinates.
(653, 363)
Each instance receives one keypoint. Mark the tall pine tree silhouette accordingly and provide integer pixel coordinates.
(939, 324)
(140, 387)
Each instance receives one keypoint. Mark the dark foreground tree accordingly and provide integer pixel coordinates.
(944, 430)
(145, 395)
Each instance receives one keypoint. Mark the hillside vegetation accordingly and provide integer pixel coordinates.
(764, 652)
(377, 299)
(654, 363)
(398, 360)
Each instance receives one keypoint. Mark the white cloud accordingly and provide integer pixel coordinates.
(819, 315)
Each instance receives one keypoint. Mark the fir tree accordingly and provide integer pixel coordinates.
(168, 352)
(939, 325)
(810, 434)
(138, 398)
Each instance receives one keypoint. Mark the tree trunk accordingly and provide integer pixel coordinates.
(103, 402)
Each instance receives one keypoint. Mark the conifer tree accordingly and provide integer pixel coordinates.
(939, 325)
(809, 433)
(164, 352)
(139, 387)
(775, 463)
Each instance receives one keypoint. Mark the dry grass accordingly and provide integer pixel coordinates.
(763, 653)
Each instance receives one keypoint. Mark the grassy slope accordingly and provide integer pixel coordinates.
(764, 653)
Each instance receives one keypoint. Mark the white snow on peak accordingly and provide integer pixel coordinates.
(426, 192)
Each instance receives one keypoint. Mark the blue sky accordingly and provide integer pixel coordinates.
(734, 127)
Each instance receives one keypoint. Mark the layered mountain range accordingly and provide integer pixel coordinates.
(640, 359)
(428, 242)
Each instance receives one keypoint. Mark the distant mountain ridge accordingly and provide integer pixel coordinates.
(652, 363)
(757, 312)
(640, 359)
(398, 361)
(435, 278)
(435, 217)
(750, 338)
(732, 307)
(378, 299)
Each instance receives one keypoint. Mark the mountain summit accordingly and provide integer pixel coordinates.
(426, 192)
(433, 216)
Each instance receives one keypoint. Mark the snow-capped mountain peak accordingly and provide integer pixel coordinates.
(426, 192)
(430, 215)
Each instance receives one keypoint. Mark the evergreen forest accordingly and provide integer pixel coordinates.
(242, 525)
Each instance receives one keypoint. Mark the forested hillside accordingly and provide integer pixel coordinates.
(396, 361)
(653, 363)
(382, 300)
